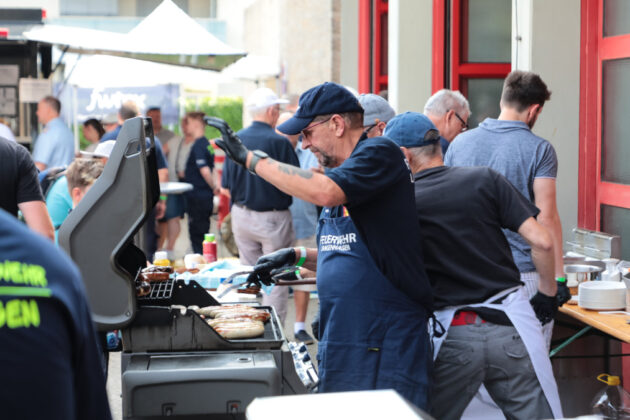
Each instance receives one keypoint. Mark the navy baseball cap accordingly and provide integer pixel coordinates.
(412, 129)
(324, 99)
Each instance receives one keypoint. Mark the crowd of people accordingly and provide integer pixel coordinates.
(436, 247)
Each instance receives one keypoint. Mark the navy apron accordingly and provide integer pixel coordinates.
(372, 336)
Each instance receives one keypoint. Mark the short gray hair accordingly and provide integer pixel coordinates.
(444, 100)
(428, 151)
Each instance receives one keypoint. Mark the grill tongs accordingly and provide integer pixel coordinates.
(283, 276)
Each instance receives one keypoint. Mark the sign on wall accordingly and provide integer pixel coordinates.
(98, 102)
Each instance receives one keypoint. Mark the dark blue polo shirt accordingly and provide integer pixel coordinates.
(252, 191)
(49, 357)
(201, 154)
(380, 200)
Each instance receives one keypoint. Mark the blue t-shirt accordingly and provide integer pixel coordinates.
(160, 156)
(510, 148)
(250, 190)
(50, 358)
(59, 202)
(380, 200)
(304, 213)
(201, 154)
(54, 145)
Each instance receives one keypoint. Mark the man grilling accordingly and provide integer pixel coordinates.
(374, 294)
(493, 336)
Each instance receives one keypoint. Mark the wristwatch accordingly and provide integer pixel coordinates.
(257, 155)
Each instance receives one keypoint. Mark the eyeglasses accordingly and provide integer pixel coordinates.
(461, 120)
(306, 133)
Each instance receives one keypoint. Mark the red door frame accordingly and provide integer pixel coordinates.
(371, 78)
(459, 69)
(592, 192)
(595, 49)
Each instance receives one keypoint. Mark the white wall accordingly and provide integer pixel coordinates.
(410, 42)
(349, 71)
(551, 48)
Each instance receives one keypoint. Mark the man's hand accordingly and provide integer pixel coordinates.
(545, 307)
(268, 263)
(229, 142)
(563, 295)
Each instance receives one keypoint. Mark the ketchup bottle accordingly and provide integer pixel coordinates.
(209, 248)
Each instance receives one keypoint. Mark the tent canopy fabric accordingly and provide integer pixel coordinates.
(168, 35)
(253, 67)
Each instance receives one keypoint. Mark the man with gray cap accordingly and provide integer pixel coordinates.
(478, 295)
(377, 112)
(374, 295)
(448, 110)
(261, 220)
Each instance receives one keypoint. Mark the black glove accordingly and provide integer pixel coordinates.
(285, 274)
(266, 265)
(229, 142)
(563, 295)
(545, 307)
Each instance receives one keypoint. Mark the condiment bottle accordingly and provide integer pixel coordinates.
(161, 258)
(209, 248)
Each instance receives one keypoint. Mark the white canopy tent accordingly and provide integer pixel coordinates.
(254, 68)
(168, 35)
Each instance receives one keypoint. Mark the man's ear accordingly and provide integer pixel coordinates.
(381, 126)
(76, 194)
(339, 125)
(406, 153)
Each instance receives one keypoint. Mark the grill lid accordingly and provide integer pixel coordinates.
(98, 233)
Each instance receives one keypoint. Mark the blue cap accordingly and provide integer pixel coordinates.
(412, 129)
(324, 99)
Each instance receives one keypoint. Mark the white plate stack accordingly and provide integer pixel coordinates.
(602, 295)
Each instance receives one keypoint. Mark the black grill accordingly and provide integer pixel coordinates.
(160, 291)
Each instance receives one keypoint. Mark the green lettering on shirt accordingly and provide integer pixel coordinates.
(14, 320)
(19, 313)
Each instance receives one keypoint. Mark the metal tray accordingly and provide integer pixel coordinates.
(166, 329)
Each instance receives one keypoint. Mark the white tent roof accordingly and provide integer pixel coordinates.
(107, 71)
(167, 35)
(253, 67)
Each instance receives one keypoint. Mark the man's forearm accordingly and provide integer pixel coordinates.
(311, 258)
(544, 262)
(206, 173)
(313, 187)
(554, 227)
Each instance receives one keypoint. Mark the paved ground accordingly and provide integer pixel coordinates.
(182, 247)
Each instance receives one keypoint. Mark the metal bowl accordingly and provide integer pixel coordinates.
(581, 272)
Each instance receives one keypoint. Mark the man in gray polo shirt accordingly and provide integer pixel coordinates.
(529, 162)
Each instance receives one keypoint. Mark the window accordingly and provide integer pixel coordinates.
(604, 177)
(472, 51)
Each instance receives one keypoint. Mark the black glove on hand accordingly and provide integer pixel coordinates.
(284, 274)
(230, 143)
(563, 295)
(545, 307)
(268, 263)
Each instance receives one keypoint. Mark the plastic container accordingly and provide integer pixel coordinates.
(612, 272)
(209, 248)
(612, 402)
(161, 258)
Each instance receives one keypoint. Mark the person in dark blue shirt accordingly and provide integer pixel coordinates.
(375, 297)
(261, 220)
(200, 173)
(50, 359)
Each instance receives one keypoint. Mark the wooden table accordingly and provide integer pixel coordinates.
(614, 325)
